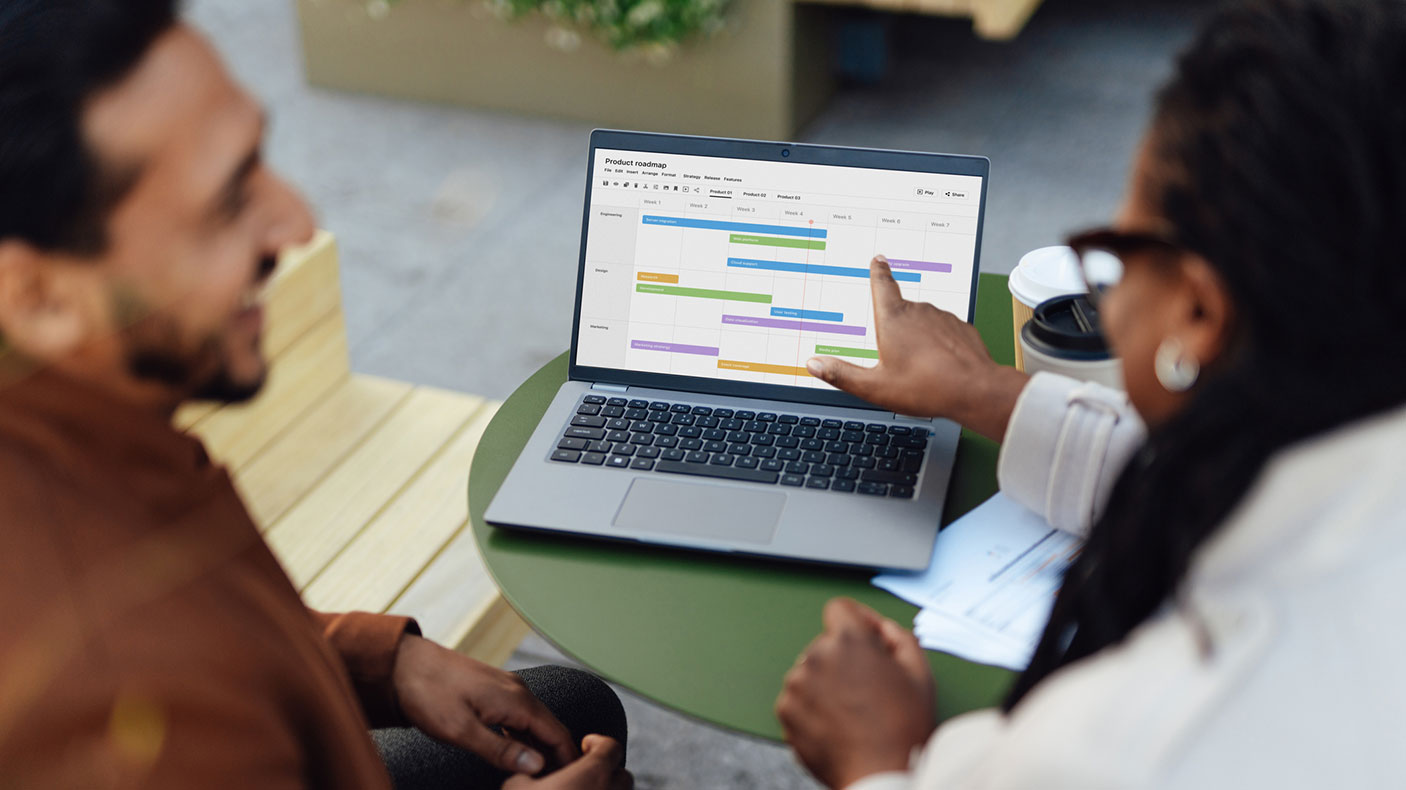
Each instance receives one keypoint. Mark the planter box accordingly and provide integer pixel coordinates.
(764, 76)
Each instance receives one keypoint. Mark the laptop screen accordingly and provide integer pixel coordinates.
(741, 269)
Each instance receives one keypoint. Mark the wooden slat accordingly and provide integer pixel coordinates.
(305, 289)
(312, 368)
(314, 530)
(458, 605)
(303, 455)
(382, 561)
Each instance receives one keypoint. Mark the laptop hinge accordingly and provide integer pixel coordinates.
(609, 387)
(913, 420)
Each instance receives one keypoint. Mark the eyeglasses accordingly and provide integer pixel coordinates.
(1102, 254)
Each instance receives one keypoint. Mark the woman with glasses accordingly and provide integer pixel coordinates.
(1234, 619)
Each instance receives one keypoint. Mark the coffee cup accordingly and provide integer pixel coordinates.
(1041, 275)
(1062, 336)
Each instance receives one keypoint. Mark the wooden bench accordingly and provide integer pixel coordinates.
(358, 482)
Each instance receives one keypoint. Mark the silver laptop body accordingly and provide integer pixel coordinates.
(710, 270)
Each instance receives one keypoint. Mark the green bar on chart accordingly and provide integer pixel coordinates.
(772, 241)
(842, 351)
(702, 293)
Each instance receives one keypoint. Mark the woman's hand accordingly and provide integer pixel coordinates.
(931, 364)
(859, 699)
(601, 767)
(462, 701)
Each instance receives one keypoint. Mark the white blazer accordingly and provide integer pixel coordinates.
(1301, 595)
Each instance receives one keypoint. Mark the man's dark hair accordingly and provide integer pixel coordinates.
(55, 55)
(1278, 154)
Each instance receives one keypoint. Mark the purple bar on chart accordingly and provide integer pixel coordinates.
(805, 326)
(926, 266)
(673, 348)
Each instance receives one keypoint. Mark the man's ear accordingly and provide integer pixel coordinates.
(46, 302)
(1210, 312)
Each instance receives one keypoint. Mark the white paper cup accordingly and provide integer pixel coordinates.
(1041, 274)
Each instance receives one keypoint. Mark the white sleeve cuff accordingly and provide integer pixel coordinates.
(1066, 444)
(888, 780)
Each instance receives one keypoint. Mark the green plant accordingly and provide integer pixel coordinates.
(653, 25)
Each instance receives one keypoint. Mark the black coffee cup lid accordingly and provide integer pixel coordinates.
(1066, 326)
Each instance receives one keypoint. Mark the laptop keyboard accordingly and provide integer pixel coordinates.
(875, 459)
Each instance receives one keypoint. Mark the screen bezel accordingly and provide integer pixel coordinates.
(800, 153)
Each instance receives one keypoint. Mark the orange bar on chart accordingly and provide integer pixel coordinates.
(655, 277)
(762, 367)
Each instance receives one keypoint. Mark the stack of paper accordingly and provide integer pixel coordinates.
(988, 591)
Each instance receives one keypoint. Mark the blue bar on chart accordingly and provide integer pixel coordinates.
(814, 315)
(736, 227)
(813, 268)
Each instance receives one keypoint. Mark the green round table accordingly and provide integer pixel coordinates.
(708, 635)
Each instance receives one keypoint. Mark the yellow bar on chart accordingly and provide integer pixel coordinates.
(655, 277)
(762, 367)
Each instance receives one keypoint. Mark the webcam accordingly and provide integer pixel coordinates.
(786, 152)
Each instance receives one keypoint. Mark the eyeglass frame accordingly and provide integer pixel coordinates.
(1119, 244)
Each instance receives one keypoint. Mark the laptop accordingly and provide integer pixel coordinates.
(710, 271)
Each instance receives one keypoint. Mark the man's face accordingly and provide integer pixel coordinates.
(192, 242)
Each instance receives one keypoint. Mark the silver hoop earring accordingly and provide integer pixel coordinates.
(1176, 370)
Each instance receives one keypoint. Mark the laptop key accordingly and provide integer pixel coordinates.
(748, 462)
(788, 419)
(873, 489)
(822, 470)
(585, 433)
(722, 414)
(570, 443)
(691, 444)
(594, 459)
(789, 455)
(831, 423)
(616, 402)
(811, 421)
(673, 454)
(638, 403)
(708, 470)
(841, 484)
(804, 431)
(696, 457)
(722, 459)
(702, 411)
(588, 421)
(818, 482)
(659, 405)
(715, 447)
(599, 446)
(875, 427)
(762, 451)
(569, 456)
(771, 465)
(901, 492)
(647, 452)
(613, 411)
(854, 425)
(645, 464)
(910, 464)
(666, 441)
(618, 424)
(797, 468)
(793, 480)
(875, 476)
(617, 436)
(595, 400)
(618, 461)
(680, 408)
(636, 414)
(588, 408)
(623, 448)
(849, 473)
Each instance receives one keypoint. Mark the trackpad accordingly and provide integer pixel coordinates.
(714, 512)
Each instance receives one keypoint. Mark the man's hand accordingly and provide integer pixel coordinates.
(859, 699)
(601, 767)
(931, 364)
(460, 701)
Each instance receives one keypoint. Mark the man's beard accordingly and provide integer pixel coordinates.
(185, 374)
